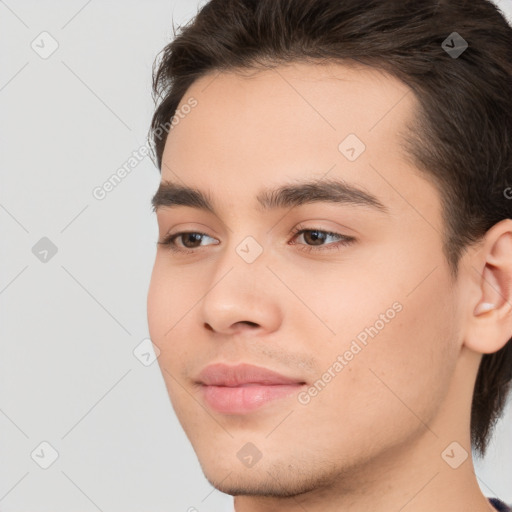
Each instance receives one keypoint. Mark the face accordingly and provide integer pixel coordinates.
(343, 290)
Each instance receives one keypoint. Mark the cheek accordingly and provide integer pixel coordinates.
(398, 339)
(165, 302)
(156, 306)
(168, 295)
(420, 350)
(404, 370)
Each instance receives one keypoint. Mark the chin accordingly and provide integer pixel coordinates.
(267, 482)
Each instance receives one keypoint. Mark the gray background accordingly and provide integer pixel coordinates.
(69, 325)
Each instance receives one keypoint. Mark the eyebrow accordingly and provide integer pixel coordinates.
(170, 194)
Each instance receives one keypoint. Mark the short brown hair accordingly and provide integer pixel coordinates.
(462, 139)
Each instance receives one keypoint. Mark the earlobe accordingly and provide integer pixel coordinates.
(483, 307)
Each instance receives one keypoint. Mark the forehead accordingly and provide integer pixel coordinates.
(321, 100)
(258, 128)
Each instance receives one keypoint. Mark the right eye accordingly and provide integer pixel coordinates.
(188, 236)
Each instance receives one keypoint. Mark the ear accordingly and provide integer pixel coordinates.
(489, 314)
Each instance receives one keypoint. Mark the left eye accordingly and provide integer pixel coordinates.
(317, 235)
(314, 236)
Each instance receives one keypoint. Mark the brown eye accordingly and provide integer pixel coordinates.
(314, 237)
(190, 239)
(317, 237)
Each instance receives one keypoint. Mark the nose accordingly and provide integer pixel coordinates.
(242, 299)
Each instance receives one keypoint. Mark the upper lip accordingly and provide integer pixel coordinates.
(220, 374)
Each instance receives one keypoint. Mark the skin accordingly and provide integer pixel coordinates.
(373, 438)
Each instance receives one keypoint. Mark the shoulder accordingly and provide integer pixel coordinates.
(499, 505)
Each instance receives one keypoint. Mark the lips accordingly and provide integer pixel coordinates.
(243, 388)
(243, 374)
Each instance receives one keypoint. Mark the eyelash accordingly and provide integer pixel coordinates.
(169, 240)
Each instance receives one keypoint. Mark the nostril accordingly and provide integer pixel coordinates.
(252, 324)
(243, 323)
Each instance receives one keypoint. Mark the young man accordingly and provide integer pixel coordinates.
(332, 290)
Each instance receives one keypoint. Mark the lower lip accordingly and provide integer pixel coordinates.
(243, 399)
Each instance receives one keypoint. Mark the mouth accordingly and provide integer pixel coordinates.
(244, 388)
(247, 397)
